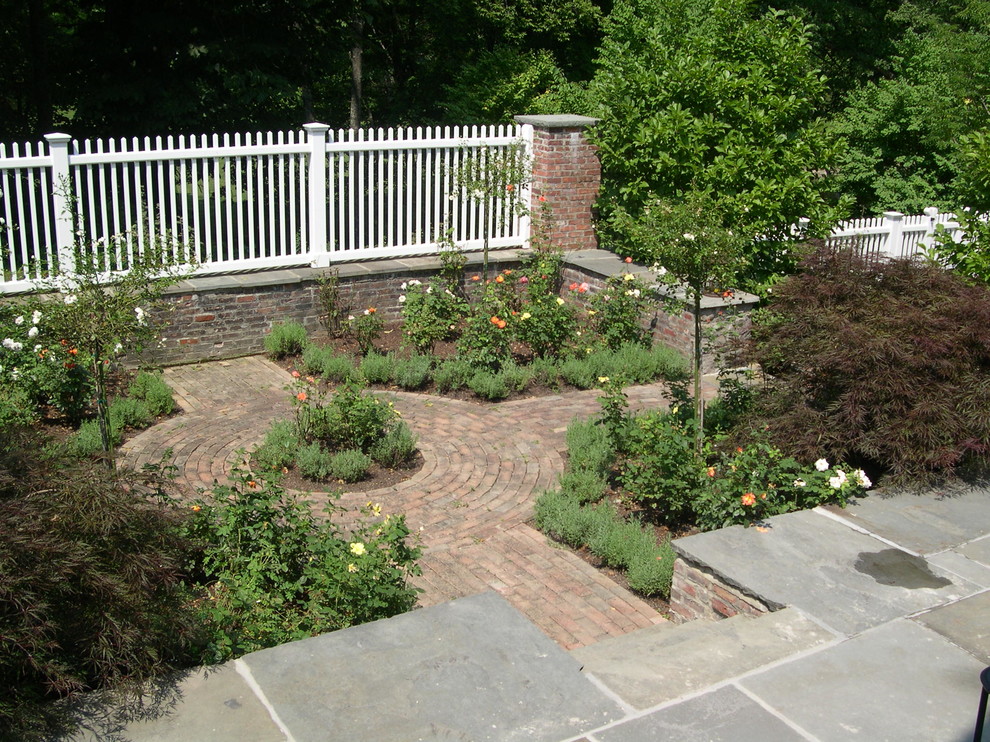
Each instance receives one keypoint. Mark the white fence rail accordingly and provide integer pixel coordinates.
(893, 235)
(255, 200)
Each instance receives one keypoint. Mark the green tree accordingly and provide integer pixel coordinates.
(906, 131)
(695, 252)
(703, 95)
(106, 314)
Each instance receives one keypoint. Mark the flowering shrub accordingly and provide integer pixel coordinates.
(486, 338)
(548, 324)
(275, 572)
(430, 313)
(618, 310)
(366, 328)
(36, 372)
(722, 487)
(349, 421)
(103, 315)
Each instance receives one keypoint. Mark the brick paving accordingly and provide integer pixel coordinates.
(470, 503)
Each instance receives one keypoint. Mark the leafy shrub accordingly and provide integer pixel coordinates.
(127, 412)
(327, 364)
(490, 386)
(278, 450)
(736, 395)
(278, 572)
(579, 372)
(516, 377)
(87, 440)
(350, 420)
(430, 313)
(396, 447)
(651, 568)
(660, 468)
(547, 324)
(155, 392)
(16, 407)
(583, 485)
(366, 327)
(885, 364)
(314, 462)
(588, 448)
(412, 373)
(453, 374)
(349, 466)
(285, 339)
(377, 368)
(91, 580)
(618, 311)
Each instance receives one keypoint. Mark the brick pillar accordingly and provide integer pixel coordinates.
(567, 173)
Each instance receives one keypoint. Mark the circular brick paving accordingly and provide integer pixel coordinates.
(470, 503)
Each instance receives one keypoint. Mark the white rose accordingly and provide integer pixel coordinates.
(821, 465)
(19, 319)
(33, 332)
(70, 299)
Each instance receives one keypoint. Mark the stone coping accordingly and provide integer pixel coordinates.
(558, 121)
(594, 262)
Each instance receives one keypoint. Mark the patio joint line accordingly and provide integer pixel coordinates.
(245, 672)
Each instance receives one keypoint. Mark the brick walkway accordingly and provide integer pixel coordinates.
(485, 466)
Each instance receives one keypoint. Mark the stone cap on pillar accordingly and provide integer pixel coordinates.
(558, 121)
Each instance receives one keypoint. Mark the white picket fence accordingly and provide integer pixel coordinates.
(893, 235)
(265, 200)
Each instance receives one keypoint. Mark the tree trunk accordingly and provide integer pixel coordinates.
(698, 402)
(357, 51)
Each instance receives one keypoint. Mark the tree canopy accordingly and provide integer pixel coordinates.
(903, 83)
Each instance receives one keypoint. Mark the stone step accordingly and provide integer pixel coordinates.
(658, 664)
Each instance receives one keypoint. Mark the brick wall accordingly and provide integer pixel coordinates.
(228, 316)
(567, 173)
(696, 593)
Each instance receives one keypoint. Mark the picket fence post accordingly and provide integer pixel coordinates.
(58, 145)
(929, 239)
(317, 238)
(895, 235)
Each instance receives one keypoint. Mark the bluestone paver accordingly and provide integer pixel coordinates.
(214, 704)
(900, 682)
(926, 523)
(724, 715)
(965, 623)
(846, 580)
(472, 669)
(647, 668)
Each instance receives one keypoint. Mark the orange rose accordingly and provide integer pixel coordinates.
(301, 396)
(748, 500)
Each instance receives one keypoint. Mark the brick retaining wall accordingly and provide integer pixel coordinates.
(696, 593)
(228, 316)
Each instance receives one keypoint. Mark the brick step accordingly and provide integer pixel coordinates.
(660, 663)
